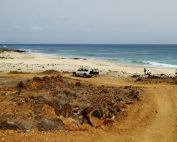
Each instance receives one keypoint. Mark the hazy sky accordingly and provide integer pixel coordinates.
(88, 21)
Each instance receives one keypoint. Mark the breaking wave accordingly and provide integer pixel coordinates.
(154, 64)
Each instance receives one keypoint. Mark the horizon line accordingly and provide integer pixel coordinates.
(88, 43)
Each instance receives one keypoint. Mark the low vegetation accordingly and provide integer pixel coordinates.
(59, 103)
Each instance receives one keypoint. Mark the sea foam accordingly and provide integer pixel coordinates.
(156, 64)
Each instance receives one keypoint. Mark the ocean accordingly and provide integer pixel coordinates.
(136, 54)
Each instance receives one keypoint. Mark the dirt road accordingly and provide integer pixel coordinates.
(164, 125)
(153, 119)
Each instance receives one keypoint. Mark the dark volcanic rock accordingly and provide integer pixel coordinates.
(95, 118)
(96, 113)
(14, 50)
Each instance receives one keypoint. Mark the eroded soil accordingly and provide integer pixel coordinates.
(59, 103)
(150, 118)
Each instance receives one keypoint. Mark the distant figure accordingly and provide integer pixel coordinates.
(148, 73)
(145, 71)
(176, 73)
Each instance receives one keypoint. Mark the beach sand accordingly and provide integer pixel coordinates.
(28, 62)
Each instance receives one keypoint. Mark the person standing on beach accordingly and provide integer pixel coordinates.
(176, 73)
(145, 71)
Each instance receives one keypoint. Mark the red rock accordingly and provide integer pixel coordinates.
(48, 111)
(96, 122)
(71, 124)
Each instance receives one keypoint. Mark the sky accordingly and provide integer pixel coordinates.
(88, 21)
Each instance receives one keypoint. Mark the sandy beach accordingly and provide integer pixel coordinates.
(30, 62)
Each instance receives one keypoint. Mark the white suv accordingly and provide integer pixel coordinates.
(84, 72)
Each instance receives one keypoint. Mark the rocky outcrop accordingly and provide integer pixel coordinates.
(58, 103)
(14, 50)
(157, 79)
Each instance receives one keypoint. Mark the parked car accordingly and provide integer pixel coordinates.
(86, 72)
(96, 72)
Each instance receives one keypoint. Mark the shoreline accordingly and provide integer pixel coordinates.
(144, 64)
(37, 62)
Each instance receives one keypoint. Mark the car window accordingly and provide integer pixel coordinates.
(80, 69)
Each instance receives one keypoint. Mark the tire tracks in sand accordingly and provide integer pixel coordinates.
(163, 127)
(152, 120)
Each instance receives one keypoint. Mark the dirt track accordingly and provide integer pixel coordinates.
(164, 125)
(154, 119)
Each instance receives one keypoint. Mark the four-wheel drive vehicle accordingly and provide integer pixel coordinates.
(95, 72)
(86, 72)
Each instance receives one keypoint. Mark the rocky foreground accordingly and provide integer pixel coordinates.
(154, 79)
(59, 103)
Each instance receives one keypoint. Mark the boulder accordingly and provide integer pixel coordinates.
(87, 110)
(71, 124)
(65, 110)
(16, 124)
(96, 113)
(95, 122)
(50, 124)
(4, 125)
(95, 118)
(79, 119)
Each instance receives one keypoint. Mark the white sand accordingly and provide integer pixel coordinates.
(26, 62)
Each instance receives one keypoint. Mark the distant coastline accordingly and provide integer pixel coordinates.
(19, 60)
(141, 55)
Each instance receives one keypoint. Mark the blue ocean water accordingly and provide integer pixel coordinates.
(142, 55)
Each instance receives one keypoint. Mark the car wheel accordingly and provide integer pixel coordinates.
(85, 75)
